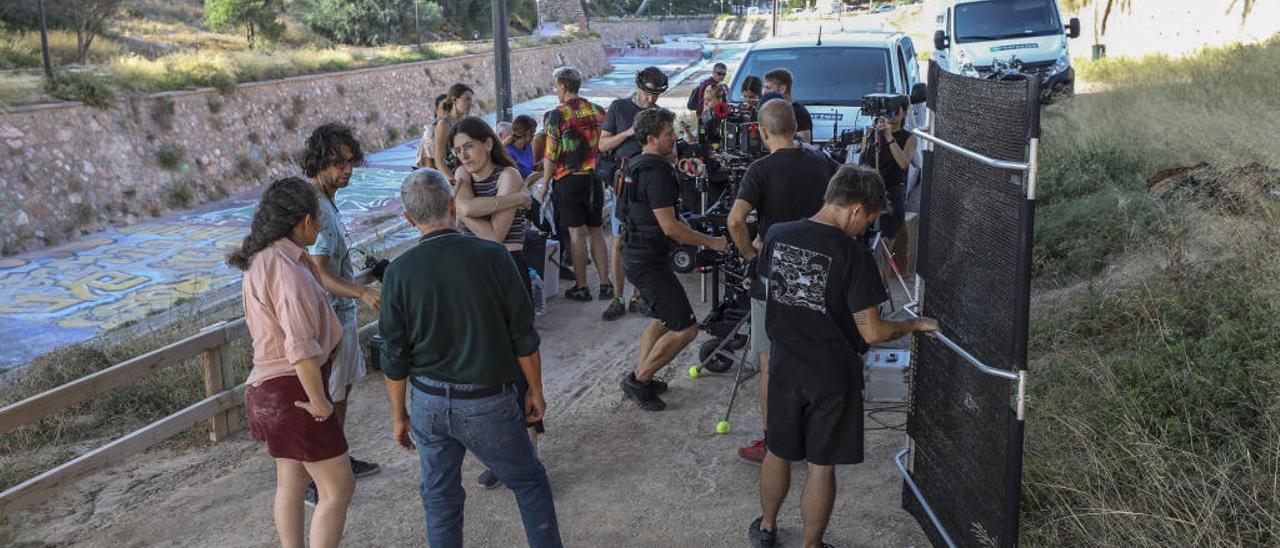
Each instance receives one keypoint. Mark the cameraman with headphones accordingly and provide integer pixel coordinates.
(649, 192)
(787, 185)
(619, 144)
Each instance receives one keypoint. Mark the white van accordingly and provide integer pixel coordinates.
(833, 72)
(973, 35)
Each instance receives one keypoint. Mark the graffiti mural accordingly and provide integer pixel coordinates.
(72, 292)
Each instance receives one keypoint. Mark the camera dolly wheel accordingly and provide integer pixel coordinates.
(683, 259)
(711, 359)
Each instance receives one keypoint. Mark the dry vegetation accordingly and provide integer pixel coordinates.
(1156, 420)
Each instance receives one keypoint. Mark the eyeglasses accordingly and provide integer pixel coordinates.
(466, 147)
(650, 93)
(719, 73)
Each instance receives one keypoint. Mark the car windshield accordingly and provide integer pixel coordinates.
(823, 75)
(1003, 19)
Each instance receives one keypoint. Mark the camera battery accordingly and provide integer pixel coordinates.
(884, 375)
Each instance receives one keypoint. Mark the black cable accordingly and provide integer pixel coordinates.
(895, 408)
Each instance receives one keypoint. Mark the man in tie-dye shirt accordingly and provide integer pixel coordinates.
(573, 135)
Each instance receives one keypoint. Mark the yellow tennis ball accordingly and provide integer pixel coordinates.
(694, 372)
(722, 427)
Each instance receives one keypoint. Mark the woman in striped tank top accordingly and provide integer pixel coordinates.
(490, 193)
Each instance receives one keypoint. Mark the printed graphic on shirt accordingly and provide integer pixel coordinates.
(798, 277)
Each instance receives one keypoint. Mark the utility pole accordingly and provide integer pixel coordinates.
(44, 41)
(774, 27)
(501, 61)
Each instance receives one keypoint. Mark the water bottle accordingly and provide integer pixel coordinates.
(539, 299)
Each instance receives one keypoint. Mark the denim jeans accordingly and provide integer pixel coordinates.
(493, 429)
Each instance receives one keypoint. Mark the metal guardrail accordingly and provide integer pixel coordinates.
(222, 398)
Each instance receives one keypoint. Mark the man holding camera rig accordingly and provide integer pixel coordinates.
(890, 153)
(648, 197)
(786, 185)
(618, 144)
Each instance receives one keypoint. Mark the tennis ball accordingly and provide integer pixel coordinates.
(722, 427)
(694, 372)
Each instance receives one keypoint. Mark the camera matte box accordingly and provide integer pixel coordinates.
(884, 375)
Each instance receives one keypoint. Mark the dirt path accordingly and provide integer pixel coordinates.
(622, 477)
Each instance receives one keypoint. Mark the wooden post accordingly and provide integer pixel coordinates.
(216, 376)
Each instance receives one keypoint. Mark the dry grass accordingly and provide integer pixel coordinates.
(22, 49)
(1156, 418)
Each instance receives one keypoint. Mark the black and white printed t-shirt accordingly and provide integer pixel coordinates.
(818, 277)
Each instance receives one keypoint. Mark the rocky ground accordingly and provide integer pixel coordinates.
(622, 477)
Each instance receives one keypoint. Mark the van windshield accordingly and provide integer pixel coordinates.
(823, 75)
(1004, 19)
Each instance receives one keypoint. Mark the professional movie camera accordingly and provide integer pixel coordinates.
(881, 105)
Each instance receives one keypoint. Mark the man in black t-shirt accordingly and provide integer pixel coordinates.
(651, 228)
(779, 80)
(617, 144)
(824, 292)
(786, 185)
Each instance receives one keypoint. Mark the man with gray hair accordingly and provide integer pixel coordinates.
(573, 140)
(457, 325)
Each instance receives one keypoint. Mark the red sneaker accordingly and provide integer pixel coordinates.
(753, 453)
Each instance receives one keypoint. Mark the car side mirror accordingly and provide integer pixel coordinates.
(1073, 28)
(919, 93)
(940, 40)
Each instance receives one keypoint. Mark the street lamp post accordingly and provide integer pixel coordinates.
(501, 61)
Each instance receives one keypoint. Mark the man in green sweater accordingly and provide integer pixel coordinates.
(457, 324)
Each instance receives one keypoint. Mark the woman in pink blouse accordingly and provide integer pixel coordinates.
(294, 330)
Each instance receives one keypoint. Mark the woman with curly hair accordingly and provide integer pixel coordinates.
(294, 332)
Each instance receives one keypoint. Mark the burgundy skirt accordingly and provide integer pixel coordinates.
(290, 431)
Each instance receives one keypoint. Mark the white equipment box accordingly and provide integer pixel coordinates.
(884, 375)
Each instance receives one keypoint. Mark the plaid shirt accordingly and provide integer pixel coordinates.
(573, 135)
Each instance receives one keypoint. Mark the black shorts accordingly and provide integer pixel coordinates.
(661, 289)
(579, 200)
(821, 427)
(891, 223)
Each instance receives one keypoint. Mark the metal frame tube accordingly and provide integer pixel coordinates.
(993, 371)
(928, 510)
(1002, 164)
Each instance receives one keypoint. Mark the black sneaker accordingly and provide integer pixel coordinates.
(487, 480)
(642, 393)
(761, 538)
(615, 311)
(310, 496)
(580, 294)
(606, 292)
(659, 387)
(362, 469)
(638, 306)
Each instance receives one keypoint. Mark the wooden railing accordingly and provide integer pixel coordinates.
(222, 398)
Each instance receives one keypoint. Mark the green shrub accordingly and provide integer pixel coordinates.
(179, 194)
(162, 111)
(170, 156)
(88, 88)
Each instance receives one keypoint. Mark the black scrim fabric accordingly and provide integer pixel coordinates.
(971, 220)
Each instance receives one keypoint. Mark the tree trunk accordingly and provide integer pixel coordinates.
(643, 6)
(249, 31)
(82, 50)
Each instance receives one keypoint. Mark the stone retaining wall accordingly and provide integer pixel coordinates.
(620, 32)
(66, 169)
